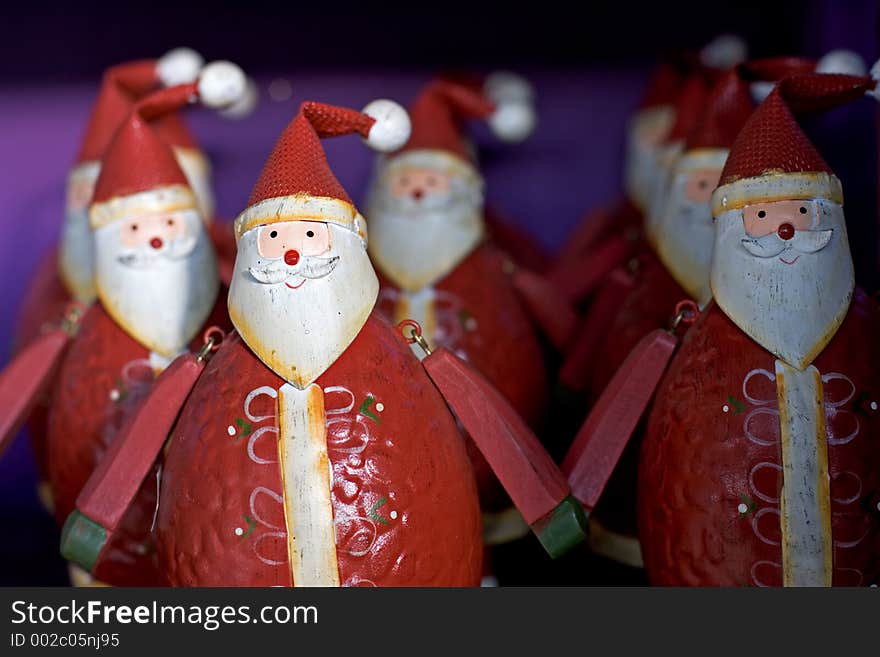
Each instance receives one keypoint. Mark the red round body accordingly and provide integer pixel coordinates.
(710, 474)
(102, 380)
(479, 317)
(42, 309)
(405, 507)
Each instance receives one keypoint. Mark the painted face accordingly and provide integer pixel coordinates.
(418, 183)
(146, 239)
(782, 271)
(423, 222)
(76, 251)
(685, 234)
(157, 277)
(292, 253)
(300, 293)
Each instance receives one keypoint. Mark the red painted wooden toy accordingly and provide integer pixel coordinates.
(158, 288)
(315, 448)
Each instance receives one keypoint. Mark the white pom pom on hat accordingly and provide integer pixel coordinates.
(846, 62)
(179, 66)
(392, 126)
(513, 122)
(245, 105)
(221, 84)
(724, 51)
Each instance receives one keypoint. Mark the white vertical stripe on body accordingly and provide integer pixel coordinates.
(305, 474)
(805, 502)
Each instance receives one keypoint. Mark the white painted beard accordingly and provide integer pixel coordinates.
(161, 301)
(685, 237)
(792, 310)
(76, 256)
(299, 330)
(417, 244)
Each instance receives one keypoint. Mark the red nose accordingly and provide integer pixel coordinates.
(418, 194)
(291, 257)
(156, 243)
(785, 231)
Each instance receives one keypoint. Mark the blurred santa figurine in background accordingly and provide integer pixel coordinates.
(158, 287)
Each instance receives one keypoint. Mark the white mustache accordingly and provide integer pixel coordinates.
(146, 256)
(277, 271)
(804, 241)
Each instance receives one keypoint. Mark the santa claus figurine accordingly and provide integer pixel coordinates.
(438, 266)
(316, 449)
(67, 276)
(158, 287)
(760, 465)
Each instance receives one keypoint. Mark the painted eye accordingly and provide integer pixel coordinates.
(170, 222)
(310, 233)
(703, 184)
(761, 214)
(803, 210)
(134, 228)
(273, 234)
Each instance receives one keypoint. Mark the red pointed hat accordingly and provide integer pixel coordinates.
(297, 183)
(772, 159)
(122, 86)
(139, 173)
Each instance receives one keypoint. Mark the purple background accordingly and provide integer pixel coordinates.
(588, 74)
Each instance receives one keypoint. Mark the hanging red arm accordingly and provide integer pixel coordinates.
(113, 485)
(30, 374)
(609, 426)
(528, 474)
